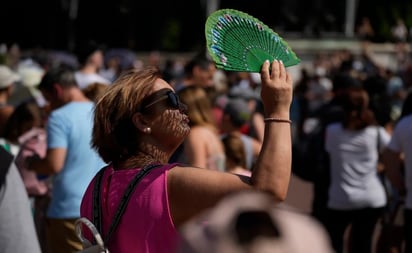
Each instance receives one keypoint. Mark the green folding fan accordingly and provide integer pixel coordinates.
(237, 41)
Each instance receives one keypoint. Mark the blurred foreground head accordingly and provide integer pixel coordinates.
(250, 222)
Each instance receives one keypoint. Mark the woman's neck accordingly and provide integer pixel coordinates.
(76, 95)
(142, 159)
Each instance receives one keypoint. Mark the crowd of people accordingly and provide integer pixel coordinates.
(205, 134)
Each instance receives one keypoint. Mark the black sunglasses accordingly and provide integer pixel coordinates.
(172, 99)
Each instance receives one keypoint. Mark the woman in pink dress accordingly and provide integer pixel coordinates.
(139, 121)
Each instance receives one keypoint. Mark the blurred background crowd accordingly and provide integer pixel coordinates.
(370, 50)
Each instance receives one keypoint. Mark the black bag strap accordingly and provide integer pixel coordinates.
(97, 212)
(96, 200)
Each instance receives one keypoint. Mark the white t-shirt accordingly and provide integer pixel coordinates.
(401, 141)
(83, 80)
(355, 182)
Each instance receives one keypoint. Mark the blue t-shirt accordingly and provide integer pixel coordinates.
(70, 127)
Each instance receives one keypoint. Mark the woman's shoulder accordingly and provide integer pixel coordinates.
(203, 131)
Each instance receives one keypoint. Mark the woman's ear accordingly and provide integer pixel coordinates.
(57, 90)
(140, 122)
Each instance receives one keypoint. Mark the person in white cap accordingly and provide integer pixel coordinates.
(7, 80)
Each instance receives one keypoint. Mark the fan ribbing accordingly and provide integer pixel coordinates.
(237, 41)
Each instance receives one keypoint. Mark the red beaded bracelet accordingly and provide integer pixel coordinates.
(277, 120)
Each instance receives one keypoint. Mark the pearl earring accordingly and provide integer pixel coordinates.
(147, 130)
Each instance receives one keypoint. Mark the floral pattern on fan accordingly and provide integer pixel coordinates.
(237, 41)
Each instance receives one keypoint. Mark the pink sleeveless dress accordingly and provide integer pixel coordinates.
(146, 225)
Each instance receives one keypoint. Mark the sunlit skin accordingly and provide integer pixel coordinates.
(162, 127)
(168, 126)
(203, 146)
(203, 188)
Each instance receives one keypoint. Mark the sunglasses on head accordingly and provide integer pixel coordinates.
(172, 99)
